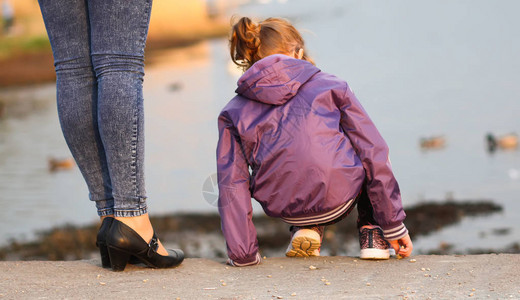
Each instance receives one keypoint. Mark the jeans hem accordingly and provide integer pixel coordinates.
(105, 212)
(130, 213)
(105, 207)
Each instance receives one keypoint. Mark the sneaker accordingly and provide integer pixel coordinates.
(305, 241)
(373, 244)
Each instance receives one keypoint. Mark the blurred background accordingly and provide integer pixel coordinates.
(439, 79)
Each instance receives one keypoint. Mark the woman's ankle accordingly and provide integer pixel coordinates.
(104, 217)
(142, 225)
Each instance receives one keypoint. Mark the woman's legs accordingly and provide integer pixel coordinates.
(67, 24)
(98, 47)
(118, 35)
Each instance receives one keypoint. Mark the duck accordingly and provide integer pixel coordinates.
(56, 164)
(434, 142)
(505, 142)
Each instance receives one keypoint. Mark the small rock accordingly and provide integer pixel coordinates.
(312, 267)
(323, 279)
(265, 257)
(327, 283)
(471, 295)
(423, 269)
(269, 276)
(368, 284)
(145, 280)
(293, 294)
(413, 260)
(102, 283)
(224, 284)
(98, 276)
(473, 289)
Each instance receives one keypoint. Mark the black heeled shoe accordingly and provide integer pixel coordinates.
(123, 242)
(101, 241)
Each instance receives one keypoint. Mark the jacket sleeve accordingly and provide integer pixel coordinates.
(234, 201)
(382, 187)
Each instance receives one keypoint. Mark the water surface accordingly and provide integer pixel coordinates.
(420, 68)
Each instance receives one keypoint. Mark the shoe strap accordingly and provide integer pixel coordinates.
(153, 245)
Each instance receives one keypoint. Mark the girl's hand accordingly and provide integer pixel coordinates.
(402, 246)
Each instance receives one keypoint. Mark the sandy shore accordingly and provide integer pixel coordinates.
(487, 276)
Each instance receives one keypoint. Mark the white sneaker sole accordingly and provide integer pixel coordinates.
(374, 254)
(304, 243)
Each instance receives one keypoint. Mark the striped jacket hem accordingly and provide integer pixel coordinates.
(322, 218)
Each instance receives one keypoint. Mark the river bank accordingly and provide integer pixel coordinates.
(26, 56)
(199, 234)
(36, 67)
(24, 75)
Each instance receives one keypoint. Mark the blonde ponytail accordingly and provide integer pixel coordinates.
(249, 42)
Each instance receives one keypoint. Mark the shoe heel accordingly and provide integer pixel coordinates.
(118, 259)
(304, 243)
(101, 241)
(105, 257)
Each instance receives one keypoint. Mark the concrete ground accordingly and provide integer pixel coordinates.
(487, 276)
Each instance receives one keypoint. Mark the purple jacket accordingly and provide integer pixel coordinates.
(299, 142)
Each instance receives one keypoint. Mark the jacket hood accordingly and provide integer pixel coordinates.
(275, 79)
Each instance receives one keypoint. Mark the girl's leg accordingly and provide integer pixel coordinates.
(118, 34)
(365, 211)
(372, 242)
(68, 29)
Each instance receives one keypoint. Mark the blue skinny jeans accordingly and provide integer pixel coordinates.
(98, 48)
